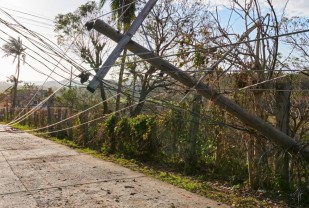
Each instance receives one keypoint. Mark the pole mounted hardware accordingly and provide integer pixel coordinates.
(94, 83)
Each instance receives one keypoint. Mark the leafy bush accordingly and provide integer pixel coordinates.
(143, 134)
(132, 136)
(123, 138)
(110, 124)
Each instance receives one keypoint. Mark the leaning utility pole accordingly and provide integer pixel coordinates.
(94, 83)
(249, 119)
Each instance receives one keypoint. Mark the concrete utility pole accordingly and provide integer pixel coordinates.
(94, 83)
(249, 119)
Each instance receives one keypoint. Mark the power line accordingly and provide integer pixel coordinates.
(96, 119)
(47, 77)
(39, 71)
(62, 55)
(47, 46)
(119, 8)
(210, 48)
(25, 28)
(26, 115)
(26, 37)
(40, 17)
(241, 42)
(296, 32)
(148, 100)
(36, 53)
(37, 25)
(222, 46)
(35, 21)
(72, 116)
(39, 62)
(34, 34)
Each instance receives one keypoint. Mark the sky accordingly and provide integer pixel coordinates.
(48, 9)
(293, 7)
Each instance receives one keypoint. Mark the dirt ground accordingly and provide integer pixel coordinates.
(35, 172)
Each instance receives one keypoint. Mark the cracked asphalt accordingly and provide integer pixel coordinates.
(35, 172)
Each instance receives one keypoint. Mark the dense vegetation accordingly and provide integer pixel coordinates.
(160, 141)
(169, 128)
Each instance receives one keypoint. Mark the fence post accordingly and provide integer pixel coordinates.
(50, 110)
(59, 118)
(84, 129)
(68, 113)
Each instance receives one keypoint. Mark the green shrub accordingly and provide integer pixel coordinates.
(143, 134)
(110, 124)
(123, 138)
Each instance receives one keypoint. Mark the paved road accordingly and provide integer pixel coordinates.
(36, 172)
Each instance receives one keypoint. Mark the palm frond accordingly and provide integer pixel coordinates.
(102, 3)
(23, 56)
(13, 47)
(124, 11)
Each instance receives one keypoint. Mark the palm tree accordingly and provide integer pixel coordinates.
(14, 47)
(124, 12)
(14, 80)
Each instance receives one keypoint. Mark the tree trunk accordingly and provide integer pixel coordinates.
(220, 141)
(249, 119)
(59, 126)
(16, 84)
(282, 122)
(257, 147)
(83, 138)
(191, 154)
(133, 93)
(120, 79)
(70, 123)
(50, 110)
(103, 97)
(252, 161)
(141, 102)
(14, 95)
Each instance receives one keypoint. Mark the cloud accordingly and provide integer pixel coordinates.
(294, 7)
(220, 4)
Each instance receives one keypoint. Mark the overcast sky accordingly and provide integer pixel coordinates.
(50, 8)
